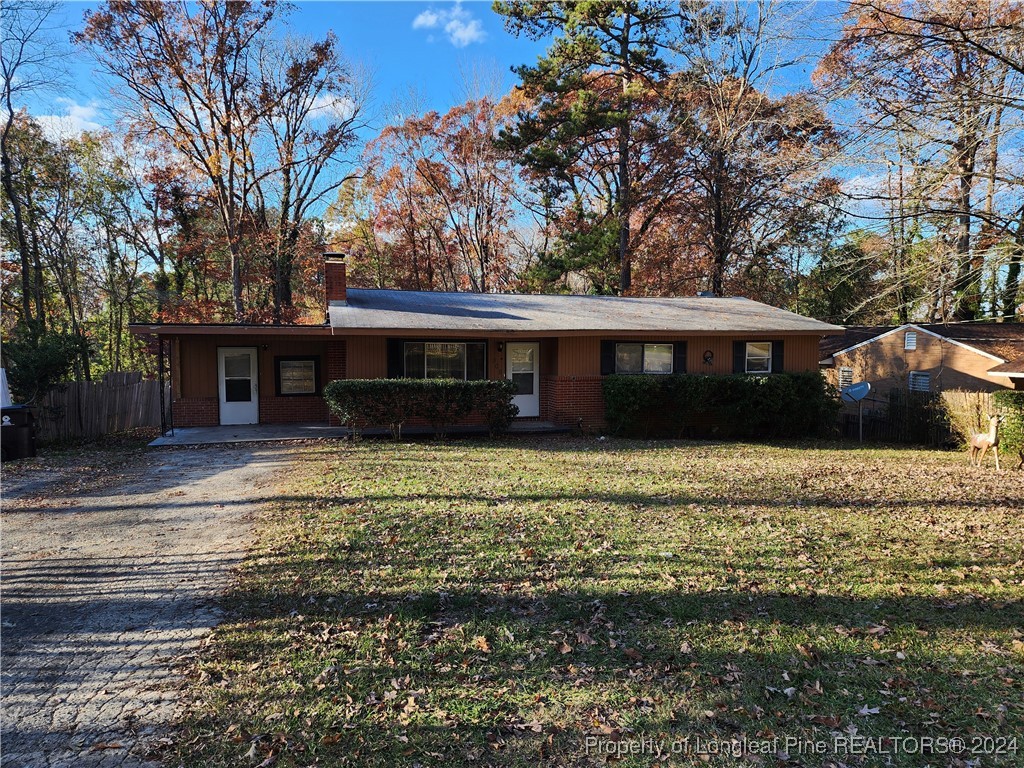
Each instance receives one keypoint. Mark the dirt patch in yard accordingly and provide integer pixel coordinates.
(113, 561)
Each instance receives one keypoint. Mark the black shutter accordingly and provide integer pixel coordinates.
(607, 357)
(396, 358)
(778, 357)
(679, 357)
(739, 357)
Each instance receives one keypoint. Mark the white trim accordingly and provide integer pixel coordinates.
(770, 358)
(242, 411)
(529, 405)
(918, 328)
(1014, 375)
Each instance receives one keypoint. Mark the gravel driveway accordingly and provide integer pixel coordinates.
(111, 568)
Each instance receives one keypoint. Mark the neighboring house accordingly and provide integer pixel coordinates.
(977, 357)
(556, 348)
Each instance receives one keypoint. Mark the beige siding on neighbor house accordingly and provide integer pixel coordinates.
(887, 365)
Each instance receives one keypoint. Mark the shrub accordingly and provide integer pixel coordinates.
(493, 399)
(966, 412)
(1010, 404)
(38, 363)
(779, 405)
(362, 403)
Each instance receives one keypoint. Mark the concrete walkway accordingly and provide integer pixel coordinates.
(111, 570)
(257, 433)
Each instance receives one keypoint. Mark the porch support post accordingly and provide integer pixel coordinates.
(160, 383)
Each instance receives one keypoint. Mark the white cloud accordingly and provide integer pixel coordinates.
(78, 118)
(461, 27)
(329, 105)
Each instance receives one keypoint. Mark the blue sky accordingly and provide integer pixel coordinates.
(426, 48)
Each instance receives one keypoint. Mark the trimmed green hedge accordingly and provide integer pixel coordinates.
(779, 405)
(362, 403)
(1010, 404)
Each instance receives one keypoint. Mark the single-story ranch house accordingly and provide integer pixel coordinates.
(555, 347)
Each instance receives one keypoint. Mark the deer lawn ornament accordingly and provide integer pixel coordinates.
(981, 442)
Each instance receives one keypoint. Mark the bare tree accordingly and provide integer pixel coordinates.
(188, 71)
(312, 105)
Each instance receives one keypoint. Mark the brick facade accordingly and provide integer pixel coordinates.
(886, 364)
(572, 400)
(294, 409)
(335, 280)
(204, 411)
(196, 412)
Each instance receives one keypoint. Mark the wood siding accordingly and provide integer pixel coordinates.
(887, 365)
(194, 358)
(195, 361)
(581, 355)
(367, 357)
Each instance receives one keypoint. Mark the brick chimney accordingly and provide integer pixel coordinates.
(335, 280)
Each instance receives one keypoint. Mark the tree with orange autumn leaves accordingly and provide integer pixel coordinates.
(681, 162)
(264, 121)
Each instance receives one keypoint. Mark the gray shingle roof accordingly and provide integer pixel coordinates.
(434, 311)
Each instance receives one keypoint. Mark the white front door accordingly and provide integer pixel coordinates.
(522, 362)
(237, 376)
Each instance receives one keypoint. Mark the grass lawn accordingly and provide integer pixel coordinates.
(541, 601)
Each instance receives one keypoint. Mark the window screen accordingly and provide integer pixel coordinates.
(759, 357)
(445, 360)
(643, 358)
(297, 375)
(657, 358)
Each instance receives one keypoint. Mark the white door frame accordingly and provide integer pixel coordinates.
(244, 411)
(529, 405)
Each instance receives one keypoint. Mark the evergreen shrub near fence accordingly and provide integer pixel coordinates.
(442, 403)
(1010, 405)
(776, 405)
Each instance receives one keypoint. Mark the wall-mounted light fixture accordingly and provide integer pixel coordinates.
(266, 347)
(708, 357)
(501, 346)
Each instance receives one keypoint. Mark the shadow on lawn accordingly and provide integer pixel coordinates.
(666, 664)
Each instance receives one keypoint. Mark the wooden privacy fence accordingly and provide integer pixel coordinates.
(87, 410)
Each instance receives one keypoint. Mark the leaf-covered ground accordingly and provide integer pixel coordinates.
(544, 602)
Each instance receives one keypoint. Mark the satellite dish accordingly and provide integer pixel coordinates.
(855, 392)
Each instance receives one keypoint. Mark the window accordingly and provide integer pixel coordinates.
(845, 378)
(910, 340)
(445, 360)
(919, 382)
(643, 358)
(297, 375)
(759, 357)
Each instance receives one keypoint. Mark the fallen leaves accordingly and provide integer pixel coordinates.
(493, 607)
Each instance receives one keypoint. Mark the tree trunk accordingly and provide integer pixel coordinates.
(19, 224)
(624, 202)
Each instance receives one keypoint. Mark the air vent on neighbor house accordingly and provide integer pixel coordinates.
(910, 340)
(919, 381)
(845, 378)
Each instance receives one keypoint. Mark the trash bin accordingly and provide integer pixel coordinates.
(17, 432)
